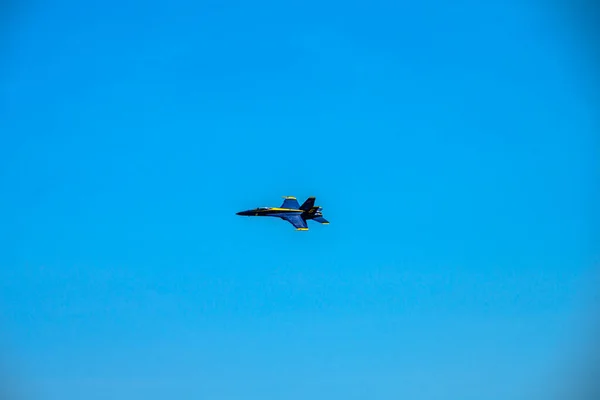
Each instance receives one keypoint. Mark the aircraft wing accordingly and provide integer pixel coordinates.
(290, 202)
(296, 220)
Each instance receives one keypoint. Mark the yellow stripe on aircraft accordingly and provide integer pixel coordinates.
(283, 209)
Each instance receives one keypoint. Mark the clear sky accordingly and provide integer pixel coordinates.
(451, 148)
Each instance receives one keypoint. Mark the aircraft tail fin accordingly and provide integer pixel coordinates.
(308, 204)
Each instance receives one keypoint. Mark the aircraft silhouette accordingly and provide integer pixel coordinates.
(292, 212)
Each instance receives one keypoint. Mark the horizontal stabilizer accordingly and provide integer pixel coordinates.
(321, 220)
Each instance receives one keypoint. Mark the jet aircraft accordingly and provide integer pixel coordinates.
(292, 212)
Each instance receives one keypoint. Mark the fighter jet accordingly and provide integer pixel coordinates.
(292, 212)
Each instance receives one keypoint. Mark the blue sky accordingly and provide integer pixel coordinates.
(451, 147)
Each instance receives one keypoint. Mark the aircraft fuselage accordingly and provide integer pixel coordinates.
(280, 212)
